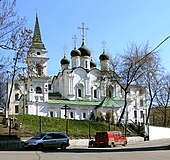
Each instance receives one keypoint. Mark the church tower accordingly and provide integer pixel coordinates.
(37, 64)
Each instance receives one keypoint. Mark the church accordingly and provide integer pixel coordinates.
(79, 91)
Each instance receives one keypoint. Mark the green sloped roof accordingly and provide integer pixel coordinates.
(74, 102)
(108, 102)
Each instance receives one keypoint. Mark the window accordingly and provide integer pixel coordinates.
(79, 92)
(49, 87)
(39, 68)
(16, 86)
(38, 90)
(85, 64)
(71, 115)
(84, 115)
(51, 114)
(16, 97)
(26, 109)
(141, 102)
(141, 114)
(39, 71)
(38, 53)
(135, 114)
(16, 109)
(95, 93)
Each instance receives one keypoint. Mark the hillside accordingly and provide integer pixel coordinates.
(30, 125)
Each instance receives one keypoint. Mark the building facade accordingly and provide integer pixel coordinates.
(79, 91)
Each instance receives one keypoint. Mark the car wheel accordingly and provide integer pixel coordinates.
(40, 147)
(125, 143)
(63, 146)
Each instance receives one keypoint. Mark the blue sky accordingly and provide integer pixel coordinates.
(118, 22)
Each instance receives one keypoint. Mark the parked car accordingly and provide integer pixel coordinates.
(48, 140)
(111, 138)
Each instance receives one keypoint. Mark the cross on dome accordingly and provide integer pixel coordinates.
(83, 29)
(74, 40)
(103, 45)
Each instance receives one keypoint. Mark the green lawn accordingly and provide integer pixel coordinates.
(31, 125)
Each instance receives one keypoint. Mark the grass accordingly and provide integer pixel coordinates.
(31, 125)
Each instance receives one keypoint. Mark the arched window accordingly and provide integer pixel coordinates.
(16, 108)
(17, 97)
(95, 93)
(39, 68)
(85, 64)
(38, 90)
(51, 114)
(84, 115)
(79, 93)
(71, 115)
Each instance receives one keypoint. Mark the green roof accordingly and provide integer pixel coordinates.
(74, 102)
(109, 103)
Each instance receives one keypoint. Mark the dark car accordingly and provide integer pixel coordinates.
(48, 140)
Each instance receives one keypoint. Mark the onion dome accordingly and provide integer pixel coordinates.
(75, 52)
(104, 56)
(92, 64)
(64, 61)
(84, 50)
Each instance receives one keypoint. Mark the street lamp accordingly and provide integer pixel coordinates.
(65, 107)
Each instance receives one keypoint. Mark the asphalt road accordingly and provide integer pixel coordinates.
(148, 150)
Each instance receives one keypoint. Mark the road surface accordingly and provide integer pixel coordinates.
(148, 150)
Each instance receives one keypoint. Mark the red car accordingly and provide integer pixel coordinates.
(110, 138)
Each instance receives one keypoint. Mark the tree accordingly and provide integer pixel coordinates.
(129, 69)
(16, 39)
(152, 79)
(163, 97)
(10, 24)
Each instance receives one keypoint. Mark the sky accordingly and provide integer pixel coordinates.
(118, 22)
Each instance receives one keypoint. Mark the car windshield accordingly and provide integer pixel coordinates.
(39, 136)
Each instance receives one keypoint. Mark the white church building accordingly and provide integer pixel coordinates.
(77, 91)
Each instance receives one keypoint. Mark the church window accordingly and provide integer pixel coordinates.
(84, 115)
(141, 102)
(26, 109)
(71, 115)
(79, 93)
(95, 93)
(16, 86)
(85, 64)
(51, 114)
(17, 97)
(38, 90)
(39, 68)
(49, 87)
(135, 114)
(38, 53)
(16, 108)
(141, 114)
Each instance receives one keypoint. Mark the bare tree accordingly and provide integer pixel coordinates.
(130, 69)
(163, 97)
(15, 39)
(10, 24)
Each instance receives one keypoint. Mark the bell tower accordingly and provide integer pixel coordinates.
(37, 66)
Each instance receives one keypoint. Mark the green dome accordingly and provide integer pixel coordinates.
(84, 50)
(75, 53)
(104, 56)
(64, 61)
